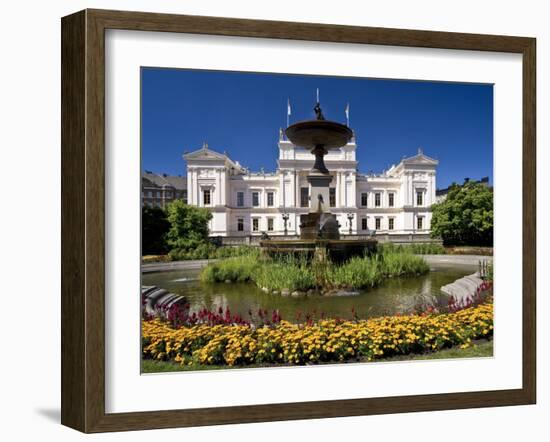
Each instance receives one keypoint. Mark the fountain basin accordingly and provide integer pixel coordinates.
(338, 250)
(319, 225)
(313, 133)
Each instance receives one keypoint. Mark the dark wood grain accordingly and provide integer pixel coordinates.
(73, 211)
(529, 221)
(83, 219)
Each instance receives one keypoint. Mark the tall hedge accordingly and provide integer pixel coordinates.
(188, 226)
(465, 217)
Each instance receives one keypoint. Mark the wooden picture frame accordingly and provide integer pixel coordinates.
(83, 216)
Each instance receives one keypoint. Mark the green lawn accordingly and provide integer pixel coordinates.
(480, 350)
(150, 366)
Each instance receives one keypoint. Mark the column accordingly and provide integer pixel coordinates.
(223, 189)
(281, 194)
(338, 182)
(217, 188)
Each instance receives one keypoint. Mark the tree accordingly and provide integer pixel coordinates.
(188, 226)
(154, 227)
(465, 217)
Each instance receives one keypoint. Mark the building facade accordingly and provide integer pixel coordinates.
(159, 190)
(395, 202)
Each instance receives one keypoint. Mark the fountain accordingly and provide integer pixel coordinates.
(319, 229)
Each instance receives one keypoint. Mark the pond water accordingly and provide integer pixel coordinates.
(397, 295)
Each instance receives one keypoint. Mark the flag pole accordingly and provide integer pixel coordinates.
(288, 112)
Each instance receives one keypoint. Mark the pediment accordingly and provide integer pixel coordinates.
(205, 154)
(420, 159)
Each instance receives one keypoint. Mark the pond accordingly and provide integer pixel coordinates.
(397, 295)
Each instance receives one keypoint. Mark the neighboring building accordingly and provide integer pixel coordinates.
(159, 190)
(441, 194)
(244, 203)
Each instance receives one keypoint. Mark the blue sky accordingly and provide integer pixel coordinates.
(241, 113)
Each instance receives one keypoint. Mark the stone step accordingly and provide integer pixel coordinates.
(463, 288)
(158, 300)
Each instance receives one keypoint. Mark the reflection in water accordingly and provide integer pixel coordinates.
(396, 295)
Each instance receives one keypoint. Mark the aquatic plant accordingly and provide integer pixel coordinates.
(296, 273)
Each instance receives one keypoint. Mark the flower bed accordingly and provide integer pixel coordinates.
(322, 341)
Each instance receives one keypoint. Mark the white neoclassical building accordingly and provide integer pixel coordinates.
(396, 202)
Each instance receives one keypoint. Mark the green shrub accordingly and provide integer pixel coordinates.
(416, 248)
(200, 251)
(465, 217)
(230, 251)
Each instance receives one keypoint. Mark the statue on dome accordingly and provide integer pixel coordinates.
(318, 112)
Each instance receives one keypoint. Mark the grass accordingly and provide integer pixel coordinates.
(289, 276)
(416, 248)
(203, 251)
(237, 269)
(469, 250)
(152, 366)
(481, 349)
(298, 274)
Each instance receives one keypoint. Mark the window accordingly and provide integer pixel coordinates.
(390, 223)
(255, 199)
(270, 224)
(150, 193)
(365, 198)
(390, 199)
(270, 199)
(304, 197)
(377, 223)
(420, 222)
(185, 196)
(240, 224)
(419, 198)
(240, 199)
(206, 197)
(364, 225)
(332, 196)
(255, 224)
(377, 199)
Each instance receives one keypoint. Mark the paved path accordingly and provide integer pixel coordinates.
(176, 265)
(461, 260)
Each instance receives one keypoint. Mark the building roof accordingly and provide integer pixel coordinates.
(163, 180)
(411, 162)
(209, 156)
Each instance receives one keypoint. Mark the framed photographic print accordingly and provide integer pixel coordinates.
(267, 221)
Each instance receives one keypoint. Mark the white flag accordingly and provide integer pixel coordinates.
(288, 112)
